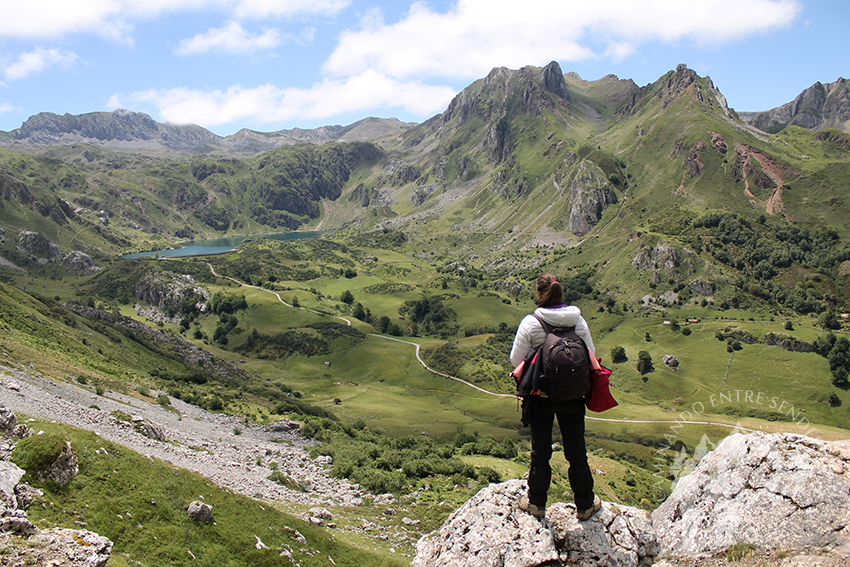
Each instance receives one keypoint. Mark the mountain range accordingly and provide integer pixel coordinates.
(521, 160)
(817, 107)
(138, 132)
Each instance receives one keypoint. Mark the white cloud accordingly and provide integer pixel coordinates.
(265, 8)
(476, 35)
(232, 38)
(114, 18)
(36, 61)
(268, 104)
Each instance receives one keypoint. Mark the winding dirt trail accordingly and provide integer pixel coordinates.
(470, 384)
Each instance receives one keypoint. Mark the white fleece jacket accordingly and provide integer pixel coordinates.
(531, 334)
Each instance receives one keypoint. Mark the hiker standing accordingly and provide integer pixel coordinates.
(530, 334)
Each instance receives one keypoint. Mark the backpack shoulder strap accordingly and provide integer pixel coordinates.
(547, 328)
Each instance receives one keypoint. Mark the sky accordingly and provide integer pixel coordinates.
(269, 65)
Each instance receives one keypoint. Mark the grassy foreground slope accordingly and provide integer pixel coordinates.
(140, 504)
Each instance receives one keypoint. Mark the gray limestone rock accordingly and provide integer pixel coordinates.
(10, 475)
(77, 261)
(589, 194)
(64, 468)
(774, 491)
(37, 244)
(8, 420)
(490, 530)
(62, 547)
(200, 511)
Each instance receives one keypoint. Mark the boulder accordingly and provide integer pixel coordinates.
(321, 513)
(10, 475)
(283, 425)
(200, 511)
(670, 361)
(774, 491)
(77, 261)
(64, 468)
(490, 530)
(8, 420)
(149, 429)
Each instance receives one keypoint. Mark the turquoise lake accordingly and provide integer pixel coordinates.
(221, 245)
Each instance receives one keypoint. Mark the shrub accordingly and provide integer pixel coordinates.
(35, 454)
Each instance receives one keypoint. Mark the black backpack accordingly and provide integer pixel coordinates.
(565, 364)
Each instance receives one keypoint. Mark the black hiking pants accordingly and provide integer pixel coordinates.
(571, 422)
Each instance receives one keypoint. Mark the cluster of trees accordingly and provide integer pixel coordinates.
(214, 216)
(380, 463)
(227, 303)
(315, 339)
(387, 327)
(837, 353)
(759, 252)
(430, 315)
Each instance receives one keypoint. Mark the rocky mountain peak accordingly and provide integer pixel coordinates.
(676, 82)
(553, 79)
(817, 107)
(505, 92)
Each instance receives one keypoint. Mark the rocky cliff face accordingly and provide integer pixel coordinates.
(589, 193)
(170, 292)
(118, 126)
(819, 106)
(785, 496)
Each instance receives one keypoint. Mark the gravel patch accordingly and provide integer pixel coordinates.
(197, 440)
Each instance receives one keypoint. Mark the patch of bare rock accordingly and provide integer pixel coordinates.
(777, 500)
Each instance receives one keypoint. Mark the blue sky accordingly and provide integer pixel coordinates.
(279, 64)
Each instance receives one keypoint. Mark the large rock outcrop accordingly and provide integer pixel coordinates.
(490, 530)
(169, 292)
(773, 491)
(37, 244)
(589, 193)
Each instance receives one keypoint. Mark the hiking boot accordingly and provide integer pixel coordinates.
(533, 509)
(584, 515)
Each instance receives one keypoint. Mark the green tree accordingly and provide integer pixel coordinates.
(618, 354)
(347, 297)
(644, 363)
(828, 320)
